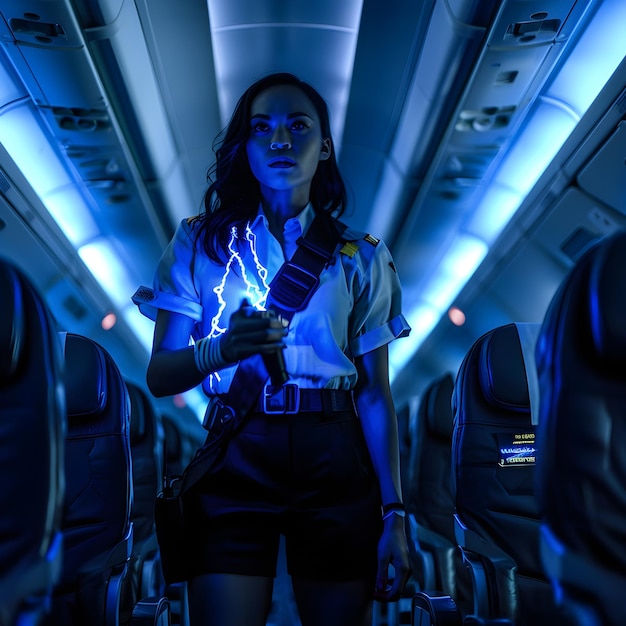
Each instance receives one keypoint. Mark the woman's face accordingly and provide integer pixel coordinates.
(285, 142)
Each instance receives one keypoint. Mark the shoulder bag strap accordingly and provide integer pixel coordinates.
(290, 291)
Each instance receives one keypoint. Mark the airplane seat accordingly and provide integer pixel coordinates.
(177, 455)
(146, 442)
(32, 432)
(405, 439)
(97, 530)
(430, 502)
(581, 481)
(495, 404)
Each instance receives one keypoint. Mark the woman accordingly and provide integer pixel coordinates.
(312, 471)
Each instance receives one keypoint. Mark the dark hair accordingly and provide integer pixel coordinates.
(234, 194)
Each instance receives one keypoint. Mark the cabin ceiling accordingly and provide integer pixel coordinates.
(425, 98)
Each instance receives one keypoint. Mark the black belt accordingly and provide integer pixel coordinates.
(290, 399)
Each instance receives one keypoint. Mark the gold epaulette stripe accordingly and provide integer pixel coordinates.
(349, 249)
(371, 239)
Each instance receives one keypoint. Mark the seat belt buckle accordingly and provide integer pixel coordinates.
(284, 400)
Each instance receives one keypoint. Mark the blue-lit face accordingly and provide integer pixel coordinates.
(285, 143)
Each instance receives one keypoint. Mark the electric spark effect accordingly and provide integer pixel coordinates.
(255, 293)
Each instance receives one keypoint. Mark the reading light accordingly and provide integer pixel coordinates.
(108, 321)
(456, 316)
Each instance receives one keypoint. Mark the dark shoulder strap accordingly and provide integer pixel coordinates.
(290, 291)
(296, 280)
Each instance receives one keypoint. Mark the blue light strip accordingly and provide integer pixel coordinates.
(113, 275)
(464, 256)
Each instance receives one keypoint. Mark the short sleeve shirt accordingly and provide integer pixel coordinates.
(355, 309)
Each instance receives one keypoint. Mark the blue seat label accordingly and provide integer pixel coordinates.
(517, 449)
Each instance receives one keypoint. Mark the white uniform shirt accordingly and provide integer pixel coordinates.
(355, 309)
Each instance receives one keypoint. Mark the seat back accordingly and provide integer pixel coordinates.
(32, 430)
(405, 440)
(434, 505)
(494, 452)
(581, 362)
(97, 532)
(427, 492)
(146, 441)
(431, 488)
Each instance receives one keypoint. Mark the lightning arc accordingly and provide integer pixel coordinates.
(255, 293)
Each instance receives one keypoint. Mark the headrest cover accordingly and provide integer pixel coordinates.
(85, 377)
(528, 334)
(607, 301)
(439, 408)
(11, 323)
(502, 372)
(138, 408)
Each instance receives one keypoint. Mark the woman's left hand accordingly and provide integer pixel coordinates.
(392, 550)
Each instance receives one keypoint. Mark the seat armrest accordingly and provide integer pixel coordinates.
(151, 611)
(493, 591)
(473, 542)
(435, 609)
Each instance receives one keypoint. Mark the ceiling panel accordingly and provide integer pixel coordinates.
(315, 41)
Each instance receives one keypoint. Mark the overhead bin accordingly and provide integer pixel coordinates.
(604, 177)
(53, 53)
(521, 47)
(44, 40)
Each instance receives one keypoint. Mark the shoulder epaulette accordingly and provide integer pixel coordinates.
(349, 249)
(371, 239)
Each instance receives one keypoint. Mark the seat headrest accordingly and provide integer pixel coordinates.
(502, 372)
(85, 377)
(607, 301)
(439, 407)
(138, 407)
(12, 322)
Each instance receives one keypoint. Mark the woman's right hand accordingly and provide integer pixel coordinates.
(251, 331)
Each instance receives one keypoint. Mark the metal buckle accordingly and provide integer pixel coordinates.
(283, 400)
